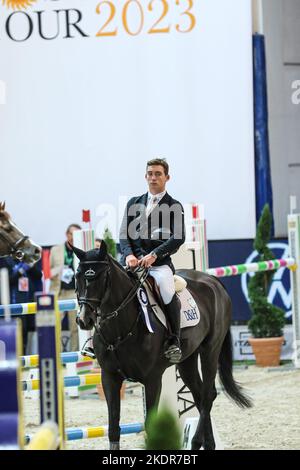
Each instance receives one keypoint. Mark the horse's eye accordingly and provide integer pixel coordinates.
(6, 226)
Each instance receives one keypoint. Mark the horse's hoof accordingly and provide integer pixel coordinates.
(209, 445)
(196, 444)
(114, 446)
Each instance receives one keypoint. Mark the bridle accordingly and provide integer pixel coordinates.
(90, 275)
(95, 304)
(14, 247)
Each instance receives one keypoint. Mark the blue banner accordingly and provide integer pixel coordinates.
(262, 154)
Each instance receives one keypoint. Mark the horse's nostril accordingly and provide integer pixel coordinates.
(37, 251)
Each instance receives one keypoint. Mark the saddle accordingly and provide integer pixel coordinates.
(179, 282)
(151, 301)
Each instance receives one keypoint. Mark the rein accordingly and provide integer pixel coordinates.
(126, 301)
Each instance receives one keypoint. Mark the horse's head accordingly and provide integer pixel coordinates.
(13, 242)
(92, 279)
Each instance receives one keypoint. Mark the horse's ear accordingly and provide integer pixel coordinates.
(102, 249)
(78, 252)
(2, 206)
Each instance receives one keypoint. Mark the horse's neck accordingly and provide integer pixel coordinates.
(121, 285)
(3, 246)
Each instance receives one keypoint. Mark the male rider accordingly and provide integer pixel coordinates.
(152, 230)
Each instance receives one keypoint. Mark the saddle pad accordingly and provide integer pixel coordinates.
(190, 315)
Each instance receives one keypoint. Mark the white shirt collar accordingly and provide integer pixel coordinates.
(159, 196)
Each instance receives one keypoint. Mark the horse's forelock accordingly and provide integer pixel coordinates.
(95, 255)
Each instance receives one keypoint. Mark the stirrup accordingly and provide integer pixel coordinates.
(87, 351)
(173, 353)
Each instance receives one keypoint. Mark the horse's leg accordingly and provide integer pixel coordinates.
(152, 394)
(189, 373)
(209, 366)
(111, 386)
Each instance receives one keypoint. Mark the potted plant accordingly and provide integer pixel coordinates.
(267, 321)
(110, 243)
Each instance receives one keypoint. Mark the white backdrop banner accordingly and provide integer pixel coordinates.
(93, 89)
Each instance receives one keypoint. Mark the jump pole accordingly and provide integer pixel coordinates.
(32, 362)
(46, 438)
(74, 434)
(69, 381)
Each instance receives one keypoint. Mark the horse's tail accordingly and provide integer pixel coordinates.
(232, 389)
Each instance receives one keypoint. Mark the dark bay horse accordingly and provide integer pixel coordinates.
(126, 349)
(14, 243)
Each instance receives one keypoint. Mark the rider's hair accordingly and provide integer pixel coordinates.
(159, 161)
(73, 225)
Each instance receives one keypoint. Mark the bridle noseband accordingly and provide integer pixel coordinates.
(14, 247)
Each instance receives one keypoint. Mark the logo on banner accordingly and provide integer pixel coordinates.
(278, 294)
(18, 4)
(111, 18)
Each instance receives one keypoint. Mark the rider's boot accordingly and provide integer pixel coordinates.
(173, 352)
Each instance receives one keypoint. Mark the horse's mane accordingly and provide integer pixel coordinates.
(116, 264)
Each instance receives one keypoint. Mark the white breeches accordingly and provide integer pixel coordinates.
(165, 280)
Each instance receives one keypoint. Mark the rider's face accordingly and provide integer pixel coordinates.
(156, 179)
(69, 234)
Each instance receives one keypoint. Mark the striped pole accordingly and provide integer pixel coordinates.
(66, 358)
(73, 434)
(235, 270)
(31, 307)
(69, 381)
